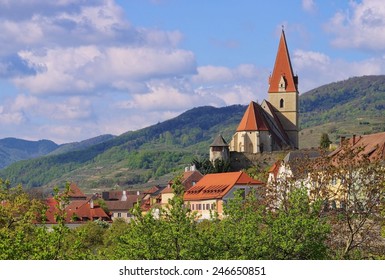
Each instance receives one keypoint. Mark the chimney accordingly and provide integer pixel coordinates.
(342, 140)
(193, 167)
(137, 192)
(124, 196)
(91, 203)
(106, 195)
(354, 139)
(186, 169)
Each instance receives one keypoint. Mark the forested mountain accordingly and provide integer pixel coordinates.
(13, 149)
(74, 146)
(353, 106)
(352, 98)
(153, 154)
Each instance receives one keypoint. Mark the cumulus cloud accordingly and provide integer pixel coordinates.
(317, 68)
(361, 26)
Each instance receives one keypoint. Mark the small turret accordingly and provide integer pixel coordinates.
(219, 149)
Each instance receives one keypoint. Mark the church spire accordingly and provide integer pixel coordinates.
(282, 79)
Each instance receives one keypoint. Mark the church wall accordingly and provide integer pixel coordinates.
(288, 113)
(252, 142)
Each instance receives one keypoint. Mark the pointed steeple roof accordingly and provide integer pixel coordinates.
(253, 119)
(219, 142)
(283, 69)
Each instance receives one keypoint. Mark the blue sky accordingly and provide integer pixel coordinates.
(74, 69)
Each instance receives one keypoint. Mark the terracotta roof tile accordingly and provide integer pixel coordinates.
(372, 145)
(253, 119)
(282, 68)
(75, 192)
(217, 185)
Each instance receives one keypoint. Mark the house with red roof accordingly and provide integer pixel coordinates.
(213, 191)
(119, 203)
(273, 125)
(79, 209)
(371, 146)
(159, 196)
(190, 177)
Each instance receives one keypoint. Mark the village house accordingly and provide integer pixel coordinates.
(213, 191)
(119, 203)
(158, 197)
(79, 210)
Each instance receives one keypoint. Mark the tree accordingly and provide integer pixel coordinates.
(325, 141)
(297, 231)
(180, 225)
(19, 237)
(356, 191)
(350, 184)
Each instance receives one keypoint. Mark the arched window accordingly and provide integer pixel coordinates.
(281, 103)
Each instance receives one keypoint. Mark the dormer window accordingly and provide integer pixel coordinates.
(282, 84)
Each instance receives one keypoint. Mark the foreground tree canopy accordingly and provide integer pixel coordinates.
(294, 218)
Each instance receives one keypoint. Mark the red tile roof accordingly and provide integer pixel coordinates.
(75, 192)
(372, 145)
(76, 208)
(253, 119)
(216, 186)
(282, 68)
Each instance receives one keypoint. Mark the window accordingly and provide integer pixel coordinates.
(207, 206)
(119, 215)
(281, 103)
(203, 207)
(192, 206)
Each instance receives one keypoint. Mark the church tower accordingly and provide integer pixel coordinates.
(283, 92)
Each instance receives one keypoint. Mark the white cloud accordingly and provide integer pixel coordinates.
(308, 5)
(317, 69)
(210, 74)
(86, 68)
(8, 117)
(361, 27)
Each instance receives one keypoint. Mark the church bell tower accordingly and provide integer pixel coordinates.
(283, 92)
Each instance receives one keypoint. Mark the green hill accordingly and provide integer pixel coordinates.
(75, 146)
(145, 156)
(353, 106)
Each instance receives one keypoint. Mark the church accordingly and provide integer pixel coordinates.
(273, 124)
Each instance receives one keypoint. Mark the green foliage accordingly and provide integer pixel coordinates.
(325, 141)
(205, 166)
(296, 231)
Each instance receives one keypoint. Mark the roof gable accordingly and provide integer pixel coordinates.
(219, 142)
(282, 69)
(75, 192)
(253, 119)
